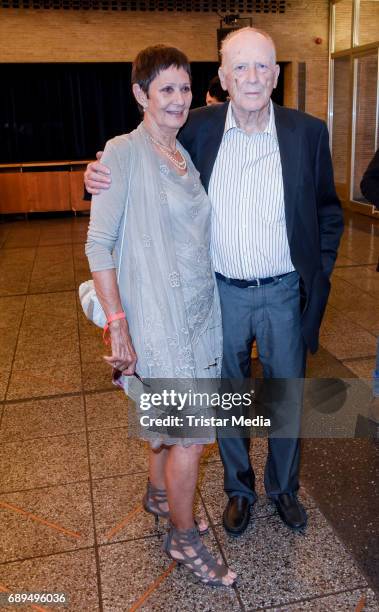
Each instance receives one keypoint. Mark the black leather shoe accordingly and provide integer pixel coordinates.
(237, 515)
(291, 511)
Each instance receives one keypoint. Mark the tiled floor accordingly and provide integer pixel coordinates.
(71, 480)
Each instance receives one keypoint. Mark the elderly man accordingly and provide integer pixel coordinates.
(276, 228)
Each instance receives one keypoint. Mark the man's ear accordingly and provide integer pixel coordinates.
(277, 72)
(139, 95)
(221, 76)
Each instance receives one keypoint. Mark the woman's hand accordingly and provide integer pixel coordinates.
(123, 356)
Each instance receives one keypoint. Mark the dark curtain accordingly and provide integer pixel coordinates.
(52, 112)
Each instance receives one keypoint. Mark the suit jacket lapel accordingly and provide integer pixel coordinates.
(290, 155)
(211, 141)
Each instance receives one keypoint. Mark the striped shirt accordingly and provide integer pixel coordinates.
(249, 237)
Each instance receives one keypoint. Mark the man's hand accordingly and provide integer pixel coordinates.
(97, 176)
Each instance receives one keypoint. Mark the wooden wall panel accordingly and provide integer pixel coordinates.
(54, 190)
(76, 191)
(46, 191)
(11, 192)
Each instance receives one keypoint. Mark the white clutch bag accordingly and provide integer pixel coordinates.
(91, 305)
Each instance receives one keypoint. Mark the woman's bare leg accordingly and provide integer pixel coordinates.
(157, 468)
(182, 468)
(157, 462)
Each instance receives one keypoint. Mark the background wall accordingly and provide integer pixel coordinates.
(84, 36)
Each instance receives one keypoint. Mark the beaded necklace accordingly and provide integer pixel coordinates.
(181, 165)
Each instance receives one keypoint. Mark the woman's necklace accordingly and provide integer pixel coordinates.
(181, 165)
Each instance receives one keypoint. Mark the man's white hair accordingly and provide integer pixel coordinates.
(235, 33)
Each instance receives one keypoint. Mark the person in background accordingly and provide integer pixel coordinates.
(164, 314)
(276, 227)
(215, 93)
(370, 190)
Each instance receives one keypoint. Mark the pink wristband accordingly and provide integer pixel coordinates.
(113, 317)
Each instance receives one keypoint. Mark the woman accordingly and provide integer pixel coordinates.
(163, 315)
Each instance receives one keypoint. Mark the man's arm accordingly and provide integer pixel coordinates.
(370, 181)
(329, 210)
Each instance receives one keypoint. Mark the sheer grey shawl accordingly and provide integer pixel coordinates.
(167, 286)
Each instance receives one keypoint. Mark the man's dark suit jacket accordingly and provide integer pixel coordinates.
(370, 181)
(312, 209)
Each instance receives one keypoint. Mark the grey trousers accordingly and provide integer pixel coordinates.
(271, 315)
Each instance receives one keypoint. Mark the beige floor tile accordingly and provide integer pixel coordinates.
(97, 376)
(56, 234)
(324, 365)
(107, 410)
(44, 380)
(119, 514)
(53, 269)
(363, 368)
(8, 347)
(113, 453)
(15, 270)
(11, 309)
(22, 237)
(276, 566)
(73, 573)
(128, 570)
(359, 344)
(341, 602)
(56, 354)
(366, 315)
(341, 293)
(336, 322)
(42, 418)
(45, 521)
(92, 349)
(344, 261)
(37, 463)
(4, 378)
(362, 277)
(50, 309)
(360, 247)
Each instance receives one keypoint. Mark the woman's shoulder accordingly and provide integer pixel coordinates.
(123, 146)
(122, 142)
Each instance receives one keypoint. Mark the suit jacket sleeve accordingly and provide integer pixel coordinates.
(187, 134)
(328, 205)
(370, 181)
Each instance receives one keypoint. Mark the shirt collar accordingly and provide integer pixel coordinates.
(230, 122)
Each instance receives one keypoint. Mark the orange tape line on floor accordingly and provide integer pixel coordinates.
(3, 589)
(124, 522)
(153, 587)
(361, 604)
(34, 517)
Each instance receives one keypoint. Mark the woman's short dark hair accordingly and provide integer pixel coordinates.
(152, 60)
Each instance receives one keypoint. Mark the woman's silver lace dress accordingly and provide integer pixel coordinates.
(167, 285)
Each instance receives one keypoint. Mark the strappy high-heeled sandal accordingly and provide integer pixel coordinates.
(186, 548)
(154, 499)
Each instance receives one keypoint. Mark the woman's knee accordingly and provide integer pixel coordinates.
(196, 450)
